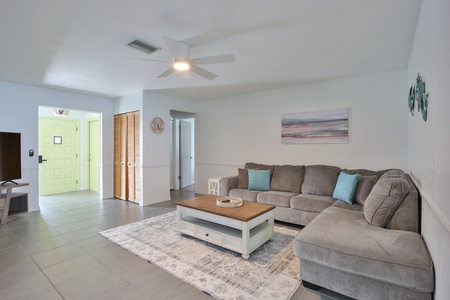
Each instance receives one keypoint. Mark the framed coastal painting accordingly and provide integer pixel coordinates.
(324, 126)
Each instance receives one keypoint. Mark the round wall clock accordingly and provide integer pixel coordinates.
(157, 125)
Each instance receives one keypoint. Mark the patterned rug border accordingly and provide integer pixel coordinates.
(213, 269)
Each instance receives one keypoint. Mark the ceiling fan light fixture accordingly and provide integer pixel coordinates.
(181, 66)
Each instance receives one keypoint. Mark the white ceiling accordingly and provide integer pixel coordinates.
(78, 45)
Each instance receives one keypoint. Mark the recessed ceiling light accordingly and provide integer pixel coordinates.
(181, 66)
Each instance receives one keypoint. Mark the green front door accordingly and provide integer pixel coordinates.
(58, 146)
(94, 155)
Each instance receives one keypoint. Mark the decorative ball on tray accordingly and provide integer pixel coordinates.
(229, 202)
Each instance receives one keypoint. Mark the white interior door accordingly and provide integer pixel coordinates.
(185, 154)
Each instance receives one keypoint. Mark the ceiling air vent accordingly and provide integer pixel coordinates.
(143, 46)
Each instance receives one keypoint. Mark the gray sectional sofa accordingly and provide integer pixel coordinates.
(369, 249)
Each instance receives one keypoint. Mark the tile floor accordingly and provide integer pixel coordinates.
(56, 253)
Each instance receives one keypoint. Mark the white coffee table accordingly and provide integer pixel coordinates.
(241, 229)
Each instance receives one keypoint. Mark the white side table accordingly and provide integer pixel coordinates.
(213, 185)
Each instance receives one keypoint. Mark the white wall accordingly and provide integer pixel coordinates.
(128, 103)
(431, 58)
(154, 148)
(19, 113)
(236, 130)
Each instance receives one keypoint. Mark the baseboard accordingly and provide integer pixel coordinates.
(323, 291)
(433, 206)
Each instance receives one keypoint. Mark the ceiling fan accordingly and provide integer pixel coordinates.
(182, 61)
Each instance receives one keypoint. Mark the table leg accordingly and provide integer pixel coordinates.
(245, 240)
(6, 207)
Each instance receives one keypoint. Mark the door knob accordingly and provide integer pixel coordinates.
(41, 160)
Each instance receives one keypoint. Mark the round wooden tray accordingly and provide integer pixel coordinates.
(229, 202)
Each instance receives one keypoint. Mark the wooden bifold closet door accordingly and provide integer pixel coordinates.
(126, 156)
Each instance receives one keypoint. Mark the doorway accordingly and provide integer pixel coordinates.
(182, 150)
(70, 149)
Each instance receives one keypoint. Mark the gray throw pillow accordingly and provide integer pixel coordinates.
(365, 185)
(243, 178)
(287, 178)
(384, 199)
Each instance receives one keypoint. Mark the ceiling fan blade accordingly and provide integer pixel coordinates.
(202, 72)
(174, 48)
(167, 72)
(217, 59)
(147, 59)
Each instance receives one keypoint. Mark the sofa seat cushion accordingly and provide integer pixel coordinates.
(354, 206)
(312, 203)
(276, 198)
(320, 180)
(287, 178)
(244, 194)
(343, 240)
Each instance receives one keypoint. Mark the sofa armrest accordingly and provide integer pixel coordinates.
(226, 184)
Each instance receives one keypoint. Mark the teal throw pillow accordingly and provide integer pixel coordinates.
(259, 180)
(346, 187)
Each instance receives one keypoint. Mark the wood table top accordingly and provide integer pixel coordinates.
(246, 212)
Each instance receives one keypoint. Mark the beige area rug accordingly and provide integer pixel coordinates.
(271, 272)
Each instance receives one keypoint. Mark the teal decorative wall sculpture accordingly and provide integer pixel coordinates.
(418, 93)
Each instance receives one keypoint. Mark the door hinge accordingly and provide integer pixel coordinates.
(76, 128)
(76, 155)
(76, 181)
(179, 177)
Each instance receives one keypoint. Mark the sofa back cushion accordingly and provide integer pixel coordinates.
(287, 178)
(256, 166)
(384, 199)
(320, 180)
